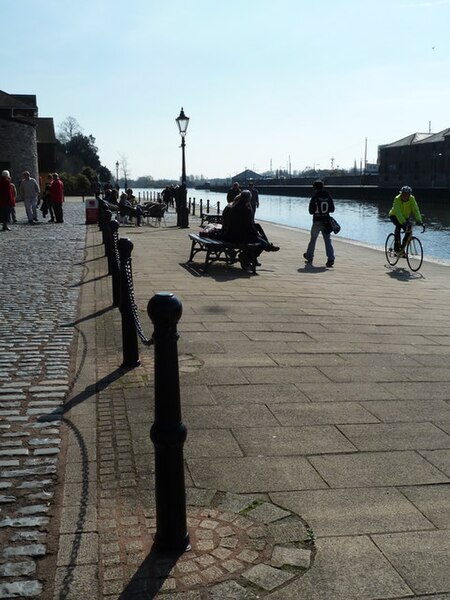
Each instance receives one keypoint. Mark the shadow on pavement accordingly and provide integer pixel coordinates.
(99, 313)
(402, 274)
(89, 391)
(151, 575)
(65, 589)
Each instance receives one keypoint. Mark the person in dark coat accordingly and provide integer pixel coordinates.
(239, 227)
(320, 207)
(7, 199)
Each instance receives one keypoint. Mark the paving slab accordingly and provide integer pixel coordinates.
(322, 413)
(286, 441)
(254, 474)
(356, 511)
(420, 558)
(258, 393)
(439, 458)
(371, 469)
(426, 408)
(433, 501)
(347, 569)
(396, 436)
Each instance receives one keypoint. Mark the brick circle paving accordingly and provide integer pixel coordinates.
(241, 548)
(223, 544)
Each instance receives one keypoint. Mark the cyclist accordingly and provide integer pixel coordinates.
(404, 207)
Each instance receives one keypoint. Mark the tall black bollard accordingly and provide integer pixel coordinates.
(129, 334)
(168, 433)
(115, 262)
(107, 238)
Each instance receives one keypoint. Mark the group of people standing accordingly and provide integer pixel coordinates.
(29, 192)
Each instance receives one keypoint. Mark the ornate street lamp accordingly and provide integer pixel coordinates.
(183, 214)
(117, 174)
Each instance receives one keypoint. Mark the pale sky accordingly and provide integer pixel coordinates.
(262, 81)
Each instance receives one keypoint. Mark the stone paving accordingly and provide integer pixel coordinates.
(318, 412)
(41, 268)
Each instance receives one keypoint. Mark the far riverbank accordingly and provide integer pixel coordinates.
(348, 192)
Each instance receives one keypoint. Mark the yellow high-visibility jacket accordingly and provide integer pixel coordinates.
(403, 210)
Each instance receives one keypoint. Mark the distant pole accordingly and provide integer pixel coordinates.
(365, 157)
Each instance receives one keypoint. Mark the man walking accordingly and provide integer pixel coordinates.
(320, 207)
(29, 193)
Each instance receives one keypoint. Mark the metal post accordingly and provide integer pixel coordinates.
(129, 334)
(168, 433)
(107, 238)
(207, 205)
(115, 262)
(218, 208)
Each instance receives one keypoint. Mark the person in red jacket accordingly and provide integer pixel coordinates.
(7, 199)
(57, 196)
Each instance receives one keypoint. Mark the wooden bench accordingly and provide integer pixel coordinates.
(227, 252)
(210, 218)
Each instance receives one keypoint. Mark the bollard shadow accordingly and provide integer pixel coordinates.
(83, 262)
(88, 392)
(99, 313)
(151, 575)
(74, 285)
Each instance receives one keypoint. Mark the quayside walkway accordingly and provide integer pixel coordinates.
(317, 403)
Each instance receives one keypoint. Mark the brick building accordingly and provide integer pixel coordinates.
(420, 160)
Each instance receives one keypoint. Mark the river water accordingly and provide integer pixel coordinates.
(362, 221)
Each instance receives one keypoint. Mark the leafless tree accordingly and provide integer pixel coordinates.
(68, 129)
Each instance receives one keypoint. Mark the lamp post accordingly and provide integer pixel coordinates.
(183, 215)
(117, 175)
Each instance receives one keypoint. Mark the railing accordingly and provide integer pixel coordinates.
(118, 253)
(192, 206)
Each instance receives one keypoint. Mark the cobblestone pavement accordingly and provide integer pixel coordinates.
(40, 272)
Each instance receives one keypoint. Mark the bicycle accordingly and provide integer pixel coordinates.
(413, 251)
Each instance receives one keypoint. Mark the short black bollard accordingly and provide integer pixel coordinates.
(115, 262)
(168, 433)
(108, 238)
(129, 335)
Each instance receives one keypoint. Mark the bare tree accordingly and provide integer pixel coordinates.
(68, 129)
(125, 169)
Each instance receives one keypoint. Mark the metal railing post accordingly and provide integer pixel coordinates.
(168, 433)
(115, 262)
(129, 334)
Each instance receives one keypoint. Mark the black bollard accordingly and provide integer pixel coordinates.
(129, 334)
(115, 262)
(168, 433)
(108, 238)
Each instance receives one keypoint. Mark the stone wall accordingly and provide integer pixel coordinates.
(18, 148)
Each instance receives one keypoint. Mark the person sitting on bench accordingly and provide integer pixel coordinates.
(239, 227)
(126, 209)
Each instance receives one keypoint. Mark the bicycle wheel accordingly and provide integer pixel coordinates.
(414, 253)
(391, 254)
